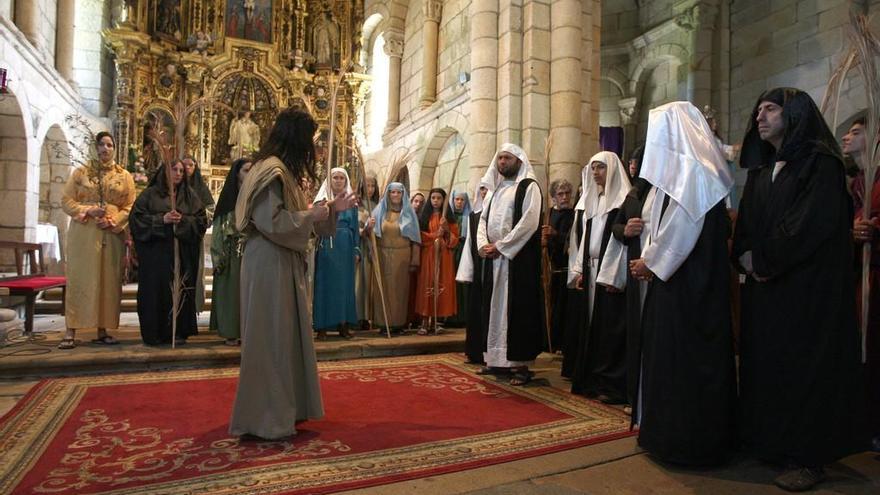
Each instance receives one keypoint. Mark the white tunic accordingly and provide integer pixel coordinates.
(496, 225)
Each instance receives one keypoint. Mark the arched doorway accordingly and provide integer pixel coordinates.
(18, 186)
(55, 168)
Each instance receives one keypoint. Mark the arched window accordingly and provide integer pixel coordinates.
(378, 104)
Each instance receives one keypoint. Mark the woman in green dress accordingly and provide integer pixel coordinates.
(226, 255)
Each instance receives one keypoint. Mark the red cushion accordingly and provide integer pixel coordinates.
(33, 283)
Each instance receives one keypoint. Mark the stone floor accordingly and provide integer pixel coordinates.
(612, 468)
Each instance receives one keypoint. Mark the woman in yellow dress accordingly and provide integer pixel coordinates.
(98, 197)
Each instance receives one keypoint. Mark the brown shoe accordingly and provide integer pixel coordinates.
(800, 479)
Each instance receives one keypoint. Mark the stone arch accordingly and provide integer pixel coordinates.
(55, 167)
(617, 79)
(447, 125)
(19, 177)
(653, 57)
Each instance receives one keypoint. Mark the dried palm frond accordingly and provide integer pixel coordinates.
(400, 158)
(862, 52)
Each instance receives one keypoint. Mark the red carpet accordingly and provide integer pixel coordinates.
(386, 420)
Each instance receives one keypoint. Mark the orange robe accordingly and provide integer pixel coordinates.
(446, 305)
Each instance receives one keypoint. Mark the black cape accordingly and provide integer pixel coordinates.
(475, 329)
(557, 249)
(632, 208)
(688, 388)
(800, 383)
(525, 307)
(155, 248)
(600, 368)
(574, 320)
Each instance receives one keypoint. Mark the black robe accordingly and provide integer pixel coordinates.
(475, 329)
(600, 368)
(688, 371)
(557, 248)
(154, 246)
(800, 384)
(525, 293)
(574, 321)
(632, 208)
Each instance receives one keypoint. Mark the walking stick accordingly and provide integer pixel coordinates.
(546, 276)
(378, 274)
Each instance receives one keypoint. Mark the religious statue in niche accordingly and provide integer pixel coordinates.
(168, 19)
(244, 136)
(325, 40)
(167, 78)
(200, 42)
(249, 20)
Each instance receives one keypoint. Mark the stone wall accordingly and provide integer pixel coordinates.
(93, 68)
(794, 43)
(506, 71)
(6, 9)
(48, 15)
(32, 117)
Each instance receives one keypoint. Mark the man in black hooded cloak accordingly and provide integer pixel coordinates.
(800, 387)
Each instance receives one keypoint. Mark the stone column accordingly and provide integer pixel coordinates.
(394, 50)
(510, 77)
(536, 79)
(565, 87)
(627, 108)
(483, 86)
(64, 39)
(699, 22)
(27, 18)
(430, 31)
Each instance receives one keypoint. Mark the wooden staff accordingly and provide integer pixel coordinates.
(546, 272)
(377, 271)
(437, 247)
(331, 140)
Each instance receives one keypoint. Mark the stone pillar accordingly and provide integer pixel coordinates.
(510, 79)
(394, 50)
(27, 18)
(699, 22)
(64, 39)
(536, 79)
(483, 86)
(591, 13)
(565, 88)
(430, 31)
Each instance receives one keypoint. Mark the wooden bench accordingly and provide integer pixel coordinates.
(29, 285)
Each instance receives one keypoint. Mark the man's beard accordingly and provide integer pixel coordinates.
(511, 172)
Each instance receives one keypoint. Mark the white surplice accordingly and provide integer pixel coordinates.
(496, 225)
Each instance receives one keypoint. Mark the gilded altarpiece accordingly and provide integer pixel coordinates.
(193, 66)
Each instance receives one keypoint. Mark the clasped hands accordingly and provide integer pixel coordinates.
(100, 215)
(490, 252)
(863, 230)
(640, 270)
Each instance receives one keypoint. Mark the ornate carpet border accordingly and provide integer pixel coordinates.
(30, 426)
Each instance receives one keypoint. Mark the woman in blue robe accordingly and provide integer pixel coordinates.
(334, 298)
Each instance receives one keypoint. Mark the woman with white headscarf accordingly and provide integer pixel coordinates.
(334, 304)
(397, 241)
(687, 396)
(600, 366)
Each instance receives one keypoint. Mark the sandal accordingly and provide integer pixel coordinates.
(232, 342)
(67, 343)
(105, 340)
(423, 331)
(487, 370)
(520, 378)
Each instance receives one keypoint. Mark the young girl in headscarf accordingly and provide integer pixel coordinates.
(435, 296)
